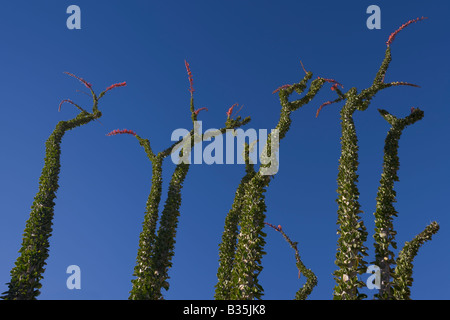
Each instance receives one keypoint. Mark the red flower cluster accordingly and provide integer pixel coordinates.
(198, 110)
(230, 111)
(191, 80)
(393, 34)
(122, 84)
(123, 131)
(412, 109)
(87, 84)
(282, 87)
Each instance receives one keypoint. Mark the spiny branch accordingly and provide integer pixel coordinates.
(311, 281)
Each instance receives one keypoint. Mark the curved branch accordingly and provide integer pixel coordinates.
(311, 279)
(403, 272)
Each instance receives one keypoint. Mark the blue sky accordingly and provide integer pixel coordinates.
(239, 51)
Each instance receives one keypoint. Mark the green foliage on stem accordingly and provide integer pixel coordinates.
(352, 232)
(165, 240)
(251, 241)
(311, 279)
(29, 266)
(28, 271)
(227, 247)
(141, 289)
(157, 247)
(248, 211)
(404, 269)
(385, 211)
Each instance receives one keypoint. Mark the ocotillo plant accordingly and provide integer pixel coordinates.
(240, 254)
(386, 196)
(394, 284)
(156, 249)
(29, 267)
(352, 232)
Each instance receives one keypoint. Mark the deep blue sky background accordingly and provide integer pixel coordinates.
(239, 51)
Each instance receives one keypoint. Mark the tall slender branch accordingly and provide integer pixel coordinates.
(311, 278)
(29, 266)
(385, 211)
(228, 244)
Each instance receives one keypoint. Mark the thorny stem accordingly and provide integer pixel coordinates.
(240, 257)
(156, 247)
(385, 211)
(29, 266)
(311, 279)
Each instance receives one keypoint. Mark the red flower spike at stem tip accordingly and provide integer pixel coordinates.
(412, 109)
(123, 131)
(87, 84)
(321, 106)
(393, 34)
(198, 110)
(303, 67)
(191, 80)
(282, 87)
(231, 110)
(121, 84)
